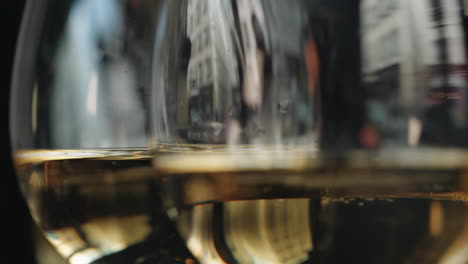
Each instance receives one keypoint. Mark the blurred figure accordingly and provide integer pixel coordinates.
(89, 64)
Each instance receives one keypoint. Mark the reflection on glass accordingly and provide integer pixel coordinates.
(249, 231)
(256, 72)
(299, 231)
(212, 61)
(414, 63)
(228, 90)
(96, 81)
(345, 120)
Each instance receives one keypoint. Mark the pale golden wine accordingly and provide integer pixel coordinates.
(249, 206)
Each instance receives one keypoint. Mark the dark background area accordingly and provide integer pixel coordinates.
(16, 221)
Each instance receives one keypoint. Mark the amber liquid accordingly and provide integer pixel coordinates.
(99, 206)
(241, 205)
(246, 206)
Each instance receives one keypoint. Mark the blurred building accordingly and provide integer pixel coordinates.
(413, 57)
(212, 63)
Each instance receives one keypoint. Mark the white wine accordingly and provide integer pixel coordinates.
(397, 230)
(99, 206)
(294, 207)
(244, 205)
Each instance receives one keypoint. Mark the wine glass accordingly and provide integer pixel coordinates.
(260, 131)
(79, 127)
(314, 131)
